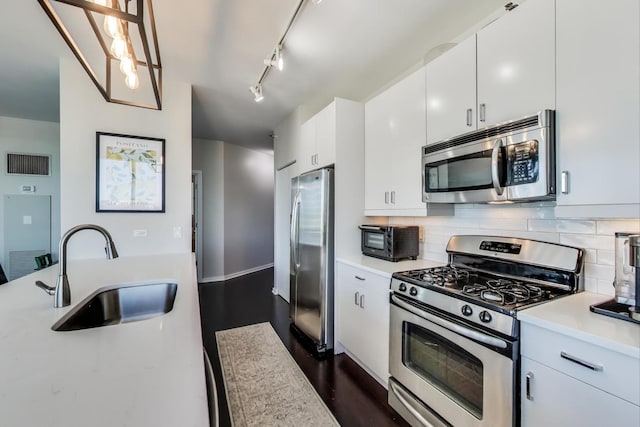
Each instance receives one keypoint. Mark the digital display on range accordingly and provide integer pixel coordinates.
(505, 248)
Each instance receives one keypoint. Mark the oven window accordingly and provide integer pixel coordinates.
(374, 240)
(470, 172)
(447, 366)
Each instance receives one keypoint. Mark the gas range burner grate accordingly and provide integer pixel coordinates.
(503, 291)
(443, 276)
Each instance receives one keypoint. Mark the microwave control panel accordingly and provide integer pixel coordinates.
(522, 163)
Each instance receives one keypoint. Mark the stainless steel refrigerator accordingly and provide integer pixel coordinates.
(311, 272)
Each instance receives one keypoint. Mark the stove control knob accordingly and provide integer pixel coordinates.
(413, 291)
(485, 316)
(402, 287)
(467, 310)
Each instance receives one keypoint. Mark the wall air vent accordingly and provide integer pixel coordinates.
(28, 164)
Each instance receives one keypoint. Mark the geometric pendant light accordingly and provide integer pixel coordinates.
(116, 43)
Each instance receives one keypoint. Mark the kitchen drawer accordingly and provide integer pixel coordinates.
(600, 367)
(370, 279)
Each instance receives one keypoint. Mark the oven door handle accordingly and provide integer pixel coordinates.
(458, 329)
(495, 176)
(403, 398)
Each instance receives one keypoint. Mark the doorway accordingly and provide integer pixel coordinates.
(196, 219)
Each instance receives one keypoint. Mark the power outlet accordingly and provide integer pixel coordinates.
(140, 233)
(421, 234)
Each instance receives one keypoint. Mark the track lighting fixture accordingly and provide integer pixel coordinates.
(257, 92)
(276, 58)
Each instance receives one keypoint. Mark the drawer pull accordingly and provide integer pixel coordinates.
(356, 299)
(362, 301)
(360, 278)
(529, 378)
(592, 366)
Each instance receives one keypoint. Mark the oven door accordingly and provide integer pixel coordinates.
(451, 372)
(465, 174)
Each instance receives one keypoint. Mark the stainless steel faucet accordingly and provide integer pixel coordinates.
(61, 292)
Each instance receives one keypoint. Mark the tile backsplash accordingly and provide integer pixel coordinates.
(595, 236)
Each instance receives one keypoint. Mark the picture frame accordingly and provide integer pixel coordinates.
(130, 173)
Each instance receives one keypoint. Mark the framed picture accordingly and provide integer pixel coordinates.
(129, 173)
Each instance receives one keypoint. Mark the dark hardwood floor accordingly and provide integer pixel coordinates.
(354, 397)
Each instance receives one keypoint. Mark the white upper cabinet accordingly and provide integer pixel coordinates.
(598, 74)
(516, 63)
(504, 72)
(451, 92)
(395, 131)
(318, 140)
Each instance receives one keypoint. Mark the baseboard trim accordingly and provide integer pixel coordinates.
(237, 274)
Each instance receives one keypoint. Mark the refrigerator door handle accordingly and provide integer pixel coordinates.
(294, 232)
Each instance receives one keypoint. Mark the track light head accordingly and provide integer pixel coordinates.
(276, 60)
(257, 92)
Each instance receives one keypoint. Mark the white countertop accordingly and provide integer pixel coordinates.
(571, 316)
(145, 373)
(386, 268)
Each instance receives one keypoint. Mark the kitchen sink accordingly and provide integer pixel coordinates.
(113, 305)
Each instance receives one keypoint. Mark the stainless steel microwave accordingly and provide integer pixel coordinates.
(514, 161)
(391, 243)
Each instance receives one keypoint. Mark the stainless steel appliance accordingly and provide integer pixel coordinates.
(390, 242)
(312, 254)
(512, 161)
(626, 304)
(454, 333)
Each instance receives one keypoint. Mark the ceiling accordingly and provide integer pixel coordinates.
(345, 48)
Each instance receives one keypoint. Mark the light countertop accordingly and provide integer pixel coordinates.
(386, 268)
(571, 316)
(145, 373)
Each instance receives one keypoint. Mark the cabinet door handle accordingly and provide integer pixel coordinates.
(393, 197)
(386, 197)
(359, 277)
(483, 112)
(356, 300)
(581, 362)
(362, 301)
(564, 182)
(469, 119)
(529, 378)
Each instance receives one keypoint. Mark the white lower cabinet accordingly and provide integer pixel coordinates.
(556, 399)
(362, 305)
(569, 382)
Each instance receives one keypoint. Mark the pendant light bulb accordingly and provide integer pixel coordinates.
(132, 80)
(127, 65)
(113, 27)
(118, 48)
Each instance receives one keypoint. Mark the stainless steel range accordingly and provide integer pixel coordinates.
(454, 333)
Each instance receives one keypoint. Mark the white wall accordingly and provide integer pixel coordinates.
(208, 157)
(31, 137)
(237, 217)
(248, 209)
(533, 222)
(83, 112)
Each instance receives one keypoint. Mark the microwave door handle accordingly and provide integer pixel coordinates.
(293, 235)
(495, 175)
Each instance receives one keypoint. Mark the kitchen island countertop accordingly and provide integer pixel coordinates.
(145, 373)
